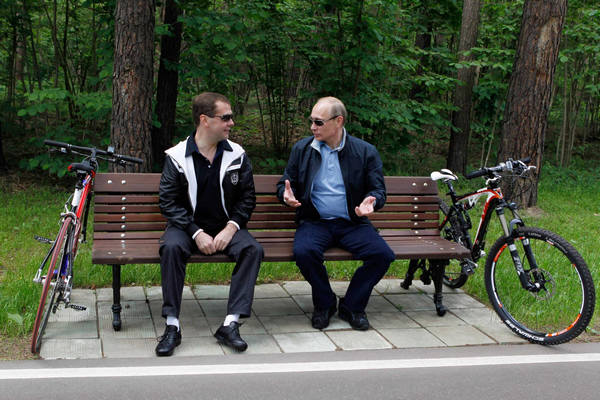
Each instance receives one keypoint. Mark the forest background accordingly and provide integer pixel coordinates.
(396, 65)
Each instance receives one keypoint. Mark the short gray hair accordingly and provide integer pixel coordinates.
(335, 106)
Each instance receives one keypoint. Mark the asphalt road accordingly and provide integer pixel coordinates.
(477, 372)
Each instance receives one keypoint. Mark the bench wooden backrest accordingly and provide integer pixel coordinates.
(126, 207)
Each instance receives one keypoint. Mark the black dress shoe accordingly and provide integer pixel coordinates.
(357, 320)
(168, 341)
(230, 336)
(320, 318)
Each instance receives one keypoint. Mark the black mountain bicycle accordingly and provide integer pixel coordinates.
(537, 282)
(57, 283)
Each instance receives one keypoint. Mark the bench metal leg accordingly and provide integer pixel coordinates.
(116, 307)
(437, 268)
(413, 266)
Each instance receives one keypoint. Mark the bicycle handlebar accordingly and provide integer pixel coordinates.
(509, 165)
(118, 158)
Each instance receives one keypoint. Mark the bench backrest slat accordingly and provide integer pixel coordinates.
(126, 207)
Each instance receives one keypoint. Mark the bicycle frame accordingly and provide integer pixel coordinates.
(495, 201)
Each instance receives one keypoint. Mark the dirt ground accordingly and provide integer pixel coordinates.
(15, 349)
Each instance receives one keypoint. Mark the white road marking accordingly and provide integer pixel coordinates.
(229, 369)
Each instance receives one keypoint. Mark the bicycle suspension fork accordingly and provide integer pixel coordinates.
(512, 248)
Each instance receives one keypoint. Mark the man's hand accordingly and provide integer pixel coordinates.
(224, 237)
(366, 207)
(288, 196)
(205, 243)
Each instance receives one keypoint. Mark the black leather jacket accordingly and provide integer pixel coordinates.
(177, 201)
(362, 171)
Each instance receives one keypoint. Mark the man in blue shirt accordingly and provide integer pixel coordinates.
(335, 181)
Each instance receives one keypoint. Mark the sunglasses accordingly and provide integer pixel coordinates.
(320, 122)
(224, 117)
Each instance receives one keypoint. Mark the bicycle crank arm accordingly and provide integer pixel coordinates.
(77, 307)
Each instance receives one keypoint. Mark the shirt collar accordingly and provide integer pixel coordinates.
(191, 147)
(317, 144)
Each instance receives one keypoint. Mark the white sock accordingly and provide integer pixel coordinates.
(231, 318)
(173, 321)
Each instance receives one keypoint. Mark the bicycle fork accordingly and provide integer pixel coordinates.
(512, 248)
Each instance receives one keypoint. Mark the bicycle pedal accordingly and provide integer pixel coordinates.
(468, 267)
(43, 239)
(77, 307)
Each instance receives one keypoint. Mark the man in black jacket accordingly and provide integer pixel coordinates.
(207, 194)
(335, 181)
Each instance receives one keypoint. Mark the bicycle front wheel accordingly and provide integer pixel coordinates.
(50, 289)
(562, 306)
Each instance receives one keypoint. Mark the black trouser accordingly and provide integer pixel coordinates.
(362, 240)
(176, 246)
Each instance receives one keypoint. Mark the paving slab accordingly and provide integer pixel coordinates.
(411, 302)
(305, 302)
(129, 310)
(203, 346)
(301, 342)
(461, 335)
(358, 340)
(428, 318)
(127, 293)
(297, 287)
(460, 300)
(132, 328)
(392, 286)
(211, 292)
(397, 320)
(129, 347)
(380, 304)
(214, 308)
(269, 290)
(71, 330)
(412, 337)
(287, 323)
(155, 293)
(279, 306)
(71, 349)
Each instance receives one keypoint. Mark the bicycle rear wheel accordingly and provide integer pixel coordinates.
(563, 306)
(50, 288)
(454, 278)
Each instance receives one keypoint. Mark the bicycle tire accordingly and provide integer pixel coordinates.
(453, 277)
(49, 291)
(562, 309)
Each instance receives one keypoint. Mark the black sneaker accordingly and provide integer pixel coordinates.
(230, 336)
(168, 341)
(320, 318)
(357, 320)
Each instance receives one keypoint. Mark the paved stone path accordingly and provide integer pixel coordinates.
(280, 322)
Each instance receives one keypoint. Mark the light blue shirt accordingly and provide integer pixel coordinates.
(328, 192)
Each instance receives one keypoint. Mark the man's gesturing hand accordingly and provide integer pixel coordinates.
(288, 196)
(205, 243)
(366, 207)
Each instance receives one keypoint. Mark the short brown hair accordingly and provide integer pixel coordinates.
(206, 103)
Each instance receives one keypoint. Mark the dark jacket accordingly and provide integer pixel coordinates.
(362, 172)
(178, 188)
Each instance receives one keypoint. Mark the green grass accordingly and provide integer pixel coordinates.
(569, 206)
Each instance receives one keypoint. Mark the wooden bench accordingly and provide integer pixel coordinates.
(128, 224)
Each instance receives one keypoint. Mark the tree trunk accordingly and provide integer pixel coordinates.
(168, 76)
(530, 91)
(133, 82)
(463, 94)
(3, 163)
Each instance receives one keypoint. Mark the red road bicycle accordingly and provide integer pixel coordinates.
(537, 282)
(58, 281)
